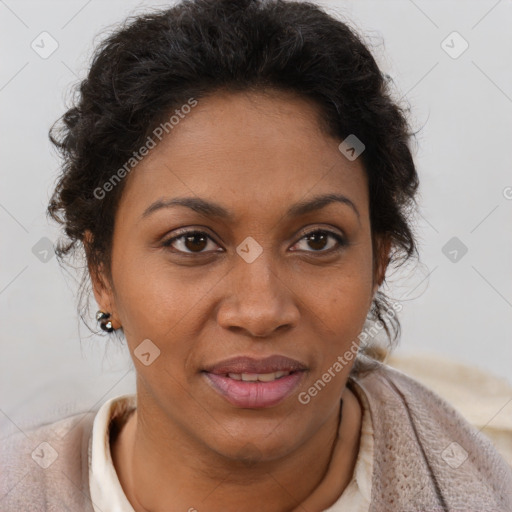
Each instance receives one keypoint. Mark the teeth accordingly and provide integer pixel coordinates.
(254, 377)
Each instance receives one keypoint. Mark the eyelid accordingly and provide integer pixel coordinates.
(328, 230)
(339, 237)
(179, 233)
(341, 240)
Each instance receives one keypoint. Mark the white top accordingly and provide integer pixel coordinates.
(107, 493)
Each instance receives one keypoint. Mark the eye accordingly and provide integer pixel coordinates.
(193, 241)
(319, 238)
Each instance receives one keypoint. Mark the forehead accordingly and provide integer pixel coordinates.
(251, 150)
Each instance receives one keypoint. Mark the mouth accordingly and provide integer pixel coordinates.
(258, 377)
(250, 383)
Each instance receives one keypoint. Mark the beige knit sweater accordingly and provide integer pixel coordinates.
(426, 457)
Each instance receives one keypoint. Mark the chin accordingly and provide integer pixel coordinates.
(254, 446)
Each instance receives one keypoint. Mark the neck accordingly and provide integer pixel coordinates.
(182, 474)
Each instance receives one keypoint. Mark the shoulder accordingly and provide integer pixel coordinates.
(425, 448)
(46, 468)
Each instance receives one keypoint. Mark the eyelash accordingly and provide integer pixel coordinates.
(341, 241)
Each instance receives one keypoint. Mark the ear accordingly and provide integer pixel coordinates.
(382, 257)
(100, 285)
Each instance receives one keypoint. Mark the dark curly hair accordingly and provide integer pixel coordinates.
(154, 63)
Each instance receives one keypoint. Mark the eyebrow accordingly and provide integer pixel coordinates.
(211, 209)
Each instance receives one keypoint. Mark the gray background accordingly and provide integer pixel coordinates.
(50, 365)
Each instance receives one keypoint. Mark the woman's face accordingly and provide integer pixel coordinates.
(267, 278)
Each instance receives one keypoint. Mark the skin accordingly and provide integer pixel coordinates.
(186, 447)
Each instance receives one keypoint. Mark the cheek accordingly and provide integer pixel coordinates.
(341, 310)
(153, 294)
(347, 304)
(343, 295)
(157, 302)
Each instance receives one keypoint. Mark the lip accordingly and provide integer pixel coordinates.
(253, 395)
(246, 364)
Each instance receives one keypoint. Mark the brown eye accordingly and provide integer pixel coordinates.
(189, 242)
(195, 242)
(319, 239)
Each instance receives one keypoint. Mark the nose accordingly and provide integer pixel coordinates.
(257, 300)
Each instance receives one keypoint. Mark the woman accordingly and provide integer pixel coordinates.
(240, 180)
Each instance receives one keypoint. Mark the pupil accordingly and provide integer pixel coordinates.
(315, 237)
(195, 237)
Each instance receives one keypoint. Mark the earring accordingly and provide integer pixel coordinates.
(102, 317)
